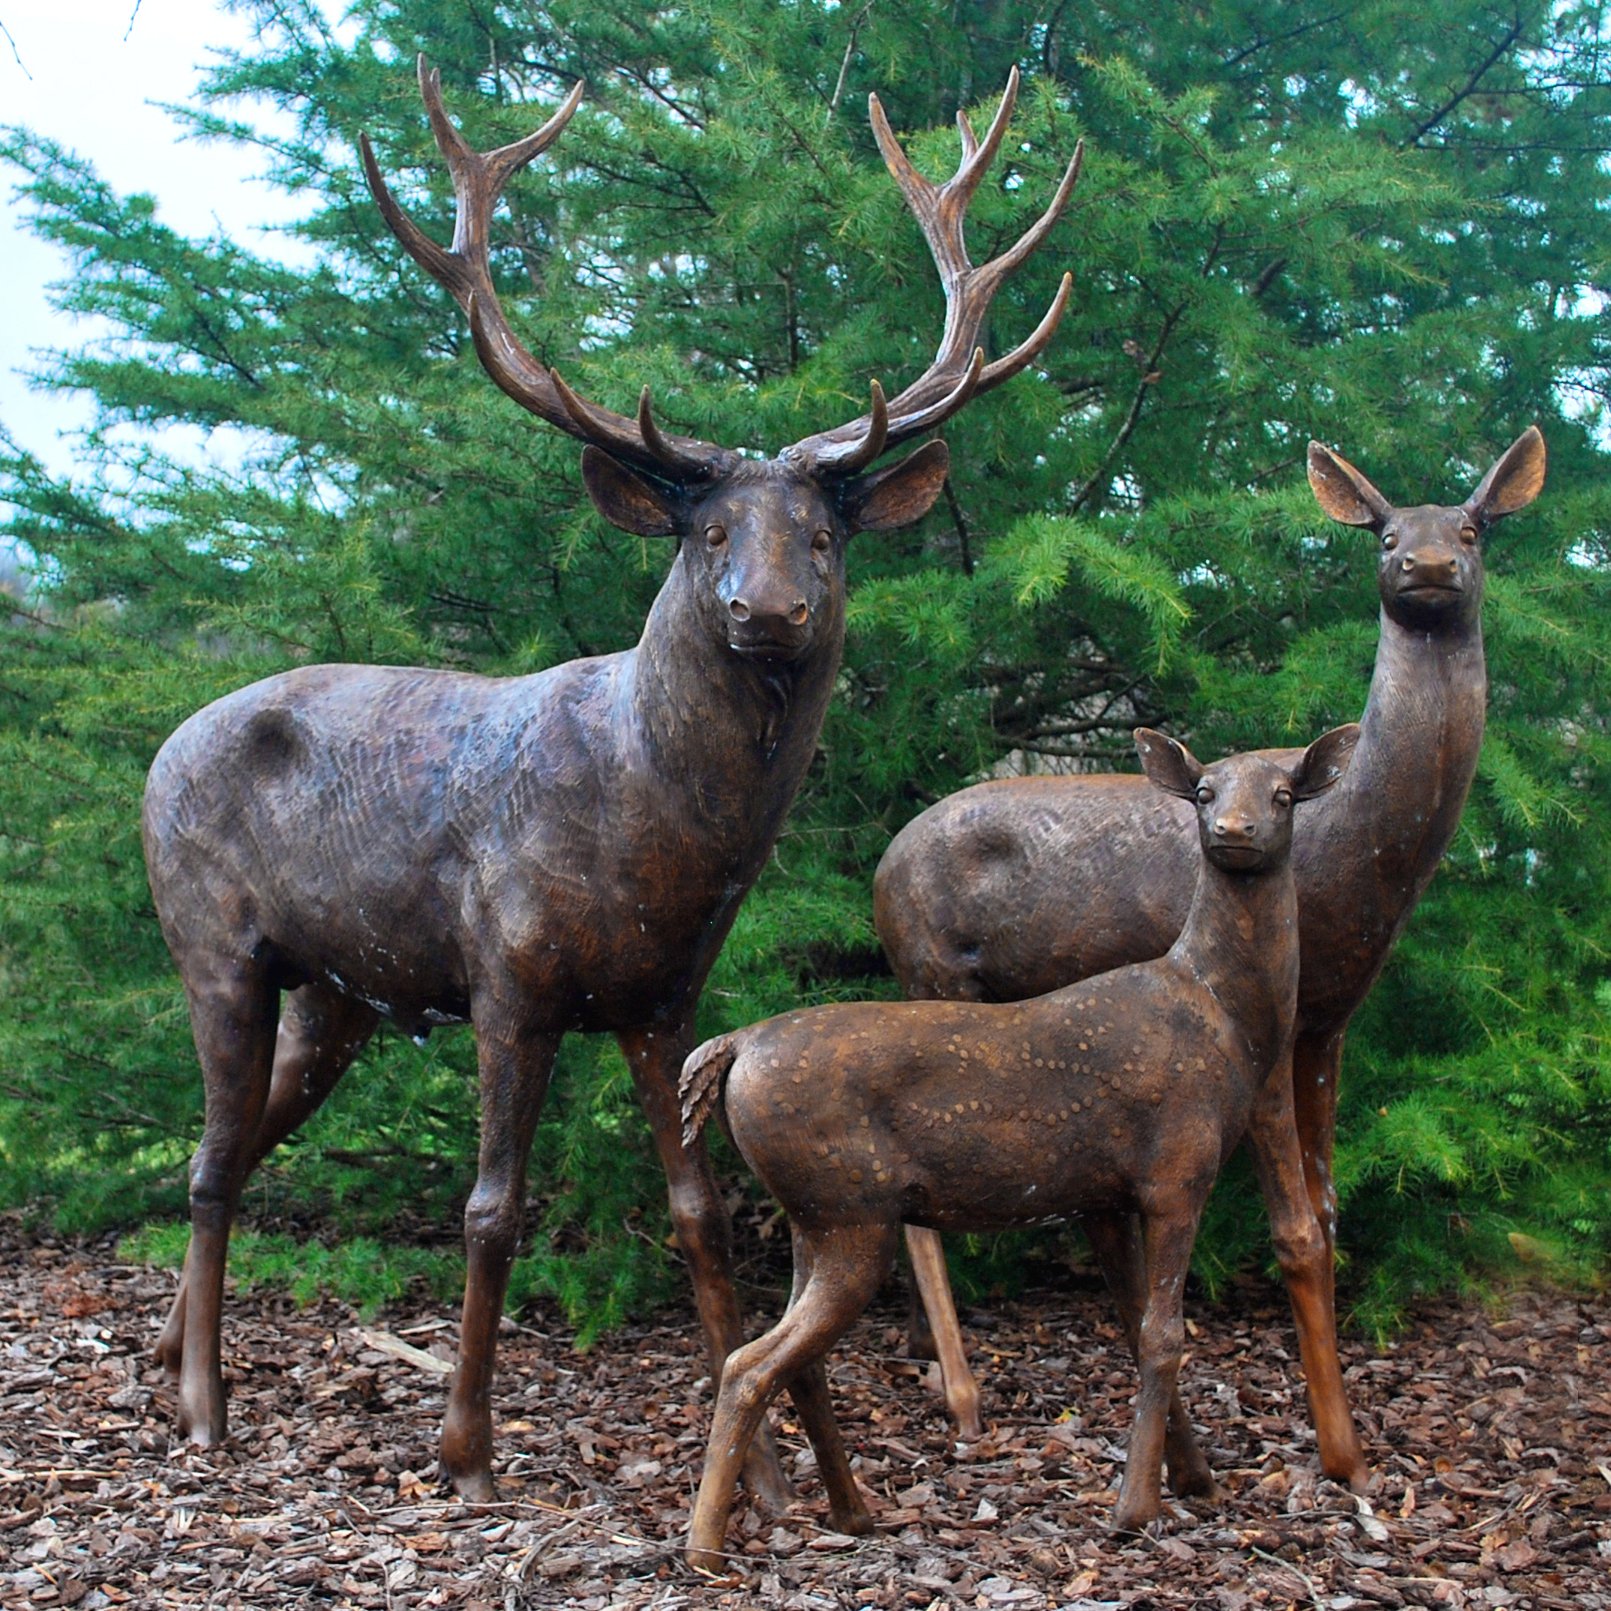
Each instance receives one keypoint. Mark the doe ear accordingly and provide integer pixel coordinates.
(1324, 762)
(624, 499)
(1344, 492)
(1168, 763)
(889, 499)
(1513, 482)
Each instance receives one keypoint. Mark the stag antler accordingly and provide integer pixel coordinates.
(464, 270)
(958, 371)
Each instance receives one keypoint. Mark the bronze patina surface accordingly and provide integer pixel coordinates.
(1013, 888)
(539, 854)
(1120, 1096)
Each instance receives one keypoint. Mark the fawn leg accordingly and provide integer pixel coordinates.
(933, 1284)
(232, 1010)
(1116, 1241)
(847, 1266)
(516, 1060)
(1167, 1239)
(704, 1228)
(809, 1391)
(320, 1033)
(1297, 1195)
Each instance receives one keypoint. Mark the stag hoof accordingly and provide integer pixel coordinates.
(474, 1487)
(710, 1561)
(1191, 1478)
(763, 1475)
(1134, 1517)
(202, 1425)
(856, 1523)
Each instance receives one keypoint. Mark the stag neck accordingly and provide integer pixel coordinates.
(1240, 943)
(699, 710)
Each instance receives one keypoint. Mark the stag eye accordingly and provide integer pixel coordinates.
(1283, 797)
(1205, 795)
(821, 543)
(715, 535)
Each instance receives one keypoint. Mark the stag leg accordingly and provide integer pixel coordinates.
(932, 1283)
(1167, 1238)
(232, 1009)
(846, 1270)
(703, 1226)
(1292, 1152)
(320, 1033)
(516, 1060)
(1116, 1241)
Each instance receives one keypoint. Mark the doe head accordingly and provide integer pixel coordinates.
(1430, 566)
(1244, 802)
(764, 540)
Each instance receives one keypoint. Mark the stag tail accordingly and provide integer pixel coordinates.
(704, 1075)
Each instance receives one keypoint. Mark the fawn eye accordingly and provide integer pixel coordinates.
(1283, 797)
(1205, 794)
(715, 535)
(1389, 539)
(1468, 535)
(821, 543)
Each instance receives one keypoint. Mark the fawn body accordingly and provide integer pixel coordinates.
(1121, 1095)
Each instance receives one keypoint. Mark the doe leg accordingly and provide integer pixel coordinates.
(1116, 1241)
(933, 1283)
(320, 1033)
(704, 1229)
(516, 1062)
(1167, 1238)
(232, 1017)
(1304, 1251)
(848, 1263)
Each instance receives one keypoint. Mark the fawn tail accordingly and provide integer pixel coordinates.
(704, 1074)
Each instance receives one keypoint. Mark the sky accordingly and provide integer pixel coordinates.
(90, 78)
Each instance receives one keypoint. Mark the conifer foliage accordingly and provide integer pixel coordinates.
(1380, 226)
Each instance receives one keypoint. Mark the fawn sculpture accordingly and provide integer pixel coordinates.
(1013, 888)
(535, 854)
(1123, 1094)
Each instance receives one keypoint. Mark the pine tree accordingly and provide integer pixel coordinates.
(1383, 229)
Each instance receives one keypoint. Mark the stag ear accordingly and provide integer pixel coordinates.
(889, 499)
(624, 499)
(1343, 492)
(1513, 483)
(1169, 764)
(1324, 762)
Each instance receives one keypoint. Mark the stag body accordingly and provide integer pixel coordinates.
(540, 854)
(1122, 1094)
(1013, 888)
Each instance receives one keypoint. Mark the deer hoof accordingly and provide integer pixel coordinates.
(474, 1487)
(857, 1523)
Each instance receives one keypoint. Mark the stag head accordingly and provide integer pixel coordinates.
(765, 537)
(1430, 565)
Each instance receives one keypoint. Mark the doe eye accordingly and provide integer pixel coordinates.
(1283, 797)
(1468, 534)
(1205, 794)
(715, 535)
(1389, 539)
(821, 543)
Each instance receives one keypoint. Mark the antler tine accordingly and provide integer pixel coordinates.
(940, 211)
(853, 456)
(465, 270)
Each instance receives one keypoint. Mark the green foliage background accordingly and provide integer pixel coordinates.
(1377, 225)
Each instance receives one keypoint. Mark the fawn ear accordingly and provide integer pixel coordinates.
(1513, 482)
(624, 499)
(1324, 762)
(1343, 492)
(889, 499)
(1168, 763)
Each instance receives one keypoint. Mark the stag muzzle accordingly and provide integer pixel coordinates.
(769, 628)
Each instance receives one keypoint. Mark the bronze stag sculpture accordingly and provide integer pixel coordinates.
(538, 854)
(1120, 1095)
(1013, 888)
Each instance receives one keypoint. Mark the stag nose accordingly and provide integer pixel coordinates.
(1434, 564)
(739, 609)
(797, 616)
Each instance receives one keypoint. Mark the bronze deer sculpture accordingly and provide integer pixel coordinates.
(533, 855)
(1121, 1095)
(1013, 888)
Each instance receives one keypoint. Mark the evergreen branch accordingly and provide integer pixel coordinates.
(1512, 34)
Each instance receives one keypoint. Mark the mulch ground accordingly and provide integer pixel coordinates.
(1491, 1430)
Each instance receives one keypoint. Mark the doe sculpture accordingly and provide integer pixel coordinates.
(538, 854)
(1120, 1095)
(1013, 888)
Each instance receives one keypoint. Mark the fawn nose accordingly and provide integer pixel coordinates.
(1230, 828)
